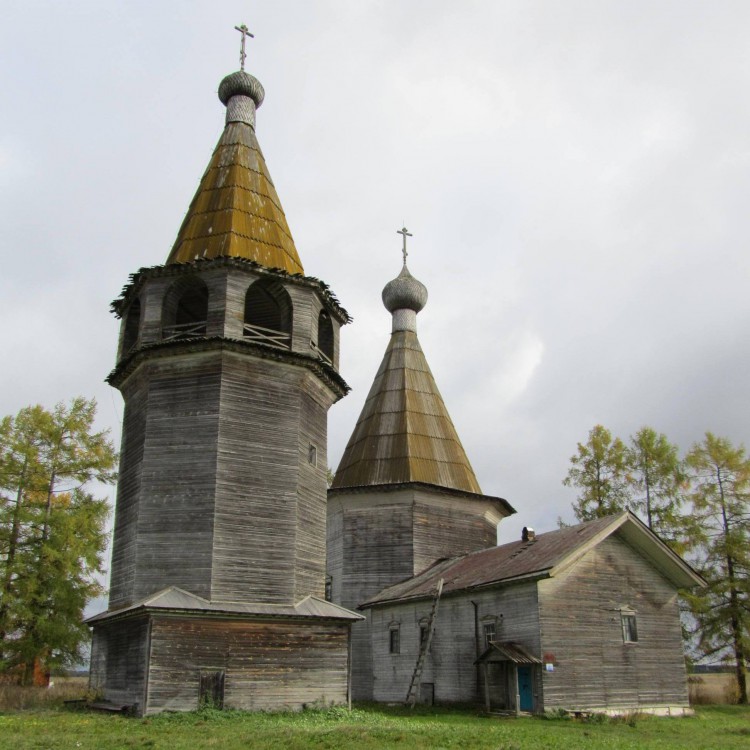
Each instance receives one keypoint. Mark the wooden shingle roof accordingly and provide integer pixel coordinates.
(404, 433)
(236, 211)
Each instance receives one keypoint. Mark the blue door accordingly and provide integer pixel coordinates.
(524, 689)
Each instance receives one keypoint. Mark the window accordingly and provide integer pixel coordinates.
(329, 589)
(489, 633)
(629, 628)
(312, 455)
(395, 640)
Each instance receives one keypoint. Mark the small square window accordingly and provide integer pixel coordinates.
(629, 628)
(395, 641)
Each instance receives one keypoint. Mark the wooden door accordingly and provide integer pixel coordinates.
(525, 688)
(212, 689)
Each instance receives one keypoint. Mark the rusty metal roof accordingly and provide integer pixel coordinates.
(177, 599)
(507, 651)
(540, 557)
(236, 211)
(404, 433)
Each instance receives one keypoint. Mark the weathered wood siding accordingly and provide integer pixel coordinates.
(450, 663)
(253, 550)
(446, 526)
(376, 539)
(377, 552)
(218, 493)
(581, 626)
(119, 661)
(267, 665)
(310, 553)
(173, 450)
(122, 579)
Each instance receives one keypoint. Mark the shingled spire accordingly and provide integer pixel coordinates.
(236, 211)
(404, 433)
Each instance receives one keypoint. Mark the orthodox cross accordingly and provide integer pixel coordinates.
(405, 233)
(245, 33)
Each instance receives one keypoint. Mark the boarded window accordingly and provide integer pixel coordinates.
(394, 642)
(212, 689)
(629, 627)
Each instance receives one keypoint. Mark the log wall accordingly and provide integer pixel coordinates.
(119, 661)
(267, 665)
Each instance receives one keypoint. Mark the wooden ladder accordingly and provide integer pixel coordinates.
(413, 692)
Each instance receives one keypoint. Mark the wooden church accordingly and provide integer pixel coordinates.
(238, 580)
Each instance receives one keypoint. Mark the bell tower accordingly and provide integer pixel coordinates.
(227, 364)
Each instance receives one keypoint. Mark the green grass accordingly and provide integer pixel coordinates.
(369, 727)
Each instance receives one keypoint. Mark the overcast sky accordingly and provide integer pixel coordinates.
(576, 176)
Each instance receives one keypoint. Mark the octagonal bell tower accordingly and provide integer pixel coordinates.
(228, 364)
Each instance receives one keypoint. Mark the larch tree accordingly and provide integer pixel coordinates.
(656, 484)
(721, 512)
(52, 532)
(599, 470)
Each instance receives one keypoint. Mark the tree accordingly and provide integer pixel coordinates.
(656, 482)
(52, 531)
(721, 511)
(600, 471)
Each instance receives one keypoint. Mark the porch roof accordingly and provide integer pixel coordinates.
(507, 651)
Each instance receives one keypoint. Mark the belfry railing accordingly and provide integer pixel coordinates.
(183, 330)
(268, 336)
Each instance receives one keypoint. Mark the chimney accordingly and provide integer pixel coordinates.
(528, 534)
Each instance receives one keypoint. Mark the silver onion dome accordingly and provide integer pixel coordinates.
(404, 297)
(241, 83)
(242, 94)
(404, 293)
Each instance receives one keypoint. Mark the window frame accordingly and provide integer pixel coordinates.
(394, 639)
(489, 627)
(629, 625)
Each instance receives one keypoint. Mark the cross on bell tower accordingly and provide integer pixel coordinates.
(245, 33)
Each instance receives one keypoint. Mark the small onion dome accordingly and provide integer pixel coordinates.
(241, 84)
(404, 293)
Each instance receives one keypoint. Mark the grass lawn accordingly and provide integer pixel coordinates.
(721, 727)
